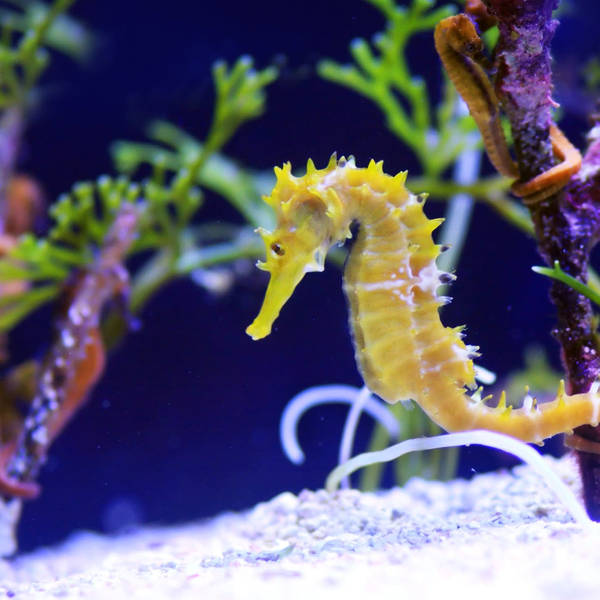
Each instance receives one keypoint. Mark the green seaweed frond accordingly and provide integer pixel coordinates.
(240, 97)
(591, 74)
(81, 219)
(27, 30)
(167, 202)
(437, 135)
(83, 216)
(590, 290)
(171, 149)
(64, 33)
(381, 72)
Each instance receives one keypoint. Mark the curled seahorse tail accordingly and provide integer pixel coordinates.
(532, 422)
(554, 179)
(458, 44)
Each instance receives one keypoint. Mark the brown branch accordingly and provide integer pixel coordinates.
(567, 223)
(75, 361)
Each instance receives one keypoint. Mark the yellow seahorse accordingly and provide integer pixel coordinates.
(402, 348)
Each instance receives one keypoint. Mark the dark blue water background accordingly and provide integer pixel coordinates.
(185, 422)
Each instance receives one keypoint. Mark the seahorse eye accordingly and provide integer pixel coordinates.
(277, 249)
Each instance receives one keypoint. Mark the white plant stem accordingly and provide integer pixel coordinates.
(328, 394)
(477, 437)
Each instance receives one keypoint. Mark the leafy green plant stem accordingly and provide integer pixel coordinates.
(155, 273)
(24, 57)
(59, 6)
(240, 187)
(557, 273)
(245, 246)
(168, 200)
(490, 191)
(30, 43)
(239, 98)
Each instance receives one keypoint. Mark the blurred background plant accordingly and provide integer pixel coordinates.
(36, 268)
(174, 245)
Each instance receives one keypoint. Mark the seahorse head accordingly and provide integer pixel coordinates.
(310, 219)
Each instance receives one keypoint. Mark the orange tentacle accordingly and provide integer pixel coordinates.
(553, 180)
(576, 442)
(461, 51)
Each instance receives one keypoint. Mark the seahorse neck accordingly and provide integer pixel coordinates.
(379, 282)
(368, 195)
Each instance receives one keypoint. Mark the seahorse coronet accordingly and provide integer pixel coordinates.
(391, 282)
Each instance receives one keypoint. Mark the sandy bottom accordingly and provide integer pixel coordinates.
(500, 535)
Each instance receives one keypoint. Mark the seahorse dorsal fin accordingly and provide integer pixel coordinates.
(270, 200)
(284, 173)
(400, 177)
(377, 167)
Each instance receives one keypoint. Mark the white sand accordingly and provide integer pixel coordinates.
(498, 536)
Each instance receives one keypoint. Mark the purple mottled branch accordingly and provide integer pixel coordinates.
(524, 78)
(567, 224)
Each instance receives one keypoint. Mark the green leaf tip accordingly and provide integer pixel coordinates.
(558, 274)
(381, 72)
(27, 31)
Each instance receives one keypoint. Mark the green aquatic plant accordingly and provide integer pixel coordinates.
(168, 200)
(556, 273)
(437, 134)
(27, 31)
(81, 263)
